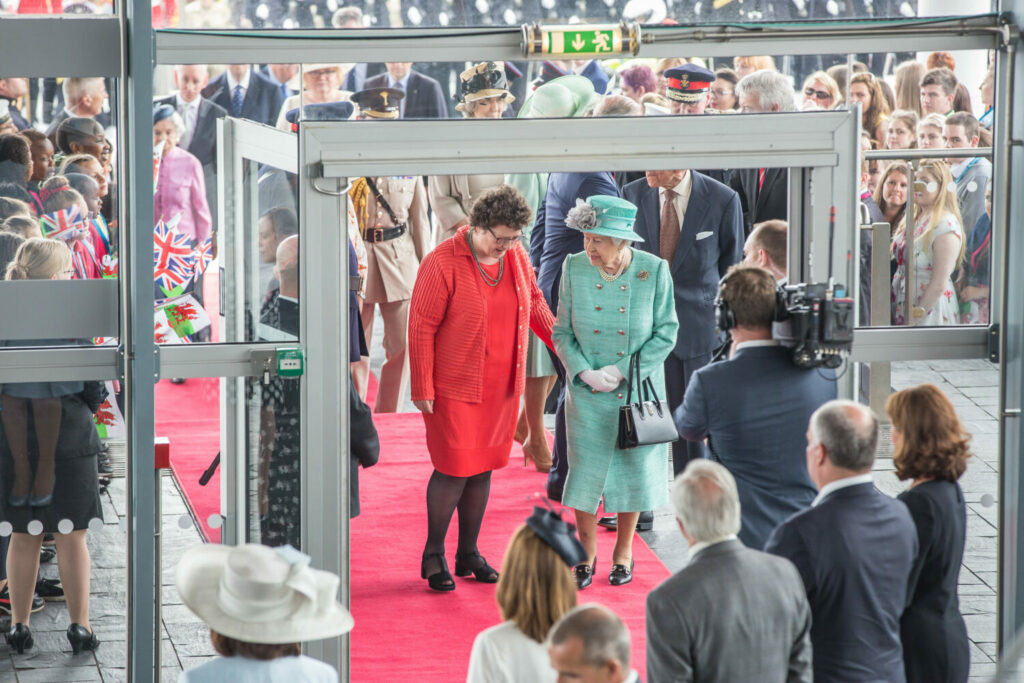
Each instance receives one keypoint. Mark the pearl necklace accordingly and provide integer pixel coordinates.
(614, 276)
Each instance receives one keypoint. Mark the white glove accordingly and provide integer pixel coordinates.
(598, 380)
(613, 372)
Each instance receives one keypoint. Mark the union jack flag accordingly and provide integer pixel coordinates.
(204, 255)
(63, 225)
(173, 259)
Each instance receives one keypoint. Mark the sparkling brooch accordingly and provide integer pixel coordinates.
(643, 275)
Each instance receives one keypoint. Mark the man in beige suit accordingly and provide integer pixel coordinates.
(392, 215)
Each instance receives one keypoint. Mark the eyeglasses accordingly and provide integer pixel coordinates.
(818, 94)
(718, 92)
(503, 241)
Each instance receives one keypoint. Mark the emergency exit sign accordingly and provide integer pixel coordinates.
(583, 42)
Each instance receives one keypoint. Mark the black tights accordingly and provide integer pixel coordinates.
(445, 494)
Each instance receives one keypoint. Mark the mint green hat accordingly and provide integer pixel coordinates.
(604, 215)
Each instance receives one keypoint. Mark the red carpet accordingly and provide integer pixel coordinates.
(406, 632)
(189, 415)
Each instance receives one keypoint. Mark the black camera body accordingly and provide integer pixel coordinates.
(815, 323)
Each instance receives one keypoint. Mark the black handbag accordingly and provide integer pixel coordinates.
(93, 394)
(649, 420)
(363, 440)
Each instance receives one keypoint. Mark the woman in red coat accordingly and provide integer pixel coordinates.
(474, 302)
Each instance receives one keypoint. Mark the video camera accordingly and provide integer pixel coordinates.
(815, 321)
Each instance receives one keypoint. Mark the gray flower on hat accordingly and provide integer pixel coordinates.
(582, 217)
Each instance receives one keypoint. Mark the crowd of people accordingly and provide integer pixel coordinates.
(494, 288)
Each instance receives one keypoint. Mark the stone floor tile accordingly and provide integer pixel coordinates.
(78, 674)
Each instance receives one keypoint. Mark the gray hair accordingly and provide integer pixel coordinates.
(706, 501)
(345, 15)
(75, 89)
(848, 431)
(617, 105)
(179, 124)
(771, 88)
(605, 638)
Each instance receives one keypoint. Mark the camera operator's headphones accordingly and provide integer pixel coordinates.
(725, 319)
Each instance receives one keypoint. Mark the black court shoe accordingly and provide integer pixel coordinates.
(441, 580)
(82, 639)
(584, 574)
(19, 638)
(483, 572)
(621, 574)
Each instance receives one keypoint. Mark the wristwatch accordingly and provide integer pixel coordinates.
(919, 312)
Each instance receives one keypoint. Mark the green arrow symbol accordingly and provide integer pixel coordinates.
(578, 43)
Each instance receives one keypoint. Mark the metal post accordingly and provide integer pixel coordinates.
(909, 225)
(880, 379)
(136, 251)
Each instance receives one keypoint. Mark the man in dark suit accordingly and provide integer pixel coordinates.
(854, 548)
(699, 625)
(424, 98)
(245, 94)
(696, 224)
(200, 118)
(548, 250)
(753, 408)
(764, 192)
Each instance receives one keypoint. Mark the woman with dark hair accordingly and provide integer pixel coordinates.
(80, 135)
(475, 300)
(42, 163)
(930, 447)
(15, 159)
(723, 90)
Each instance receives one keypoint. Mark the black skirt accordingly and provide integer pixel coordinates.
(76, 495)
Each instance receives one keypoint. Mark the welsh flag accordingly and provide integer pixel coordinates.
(185, 315)
(108, 418)
(109, 267)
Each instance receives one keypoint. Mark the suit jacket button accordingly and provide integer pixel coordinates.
(618, 395)
(622, 309)
(622, 353)
(622, 287)
(622, 332)
(593, 391)
(597, 308)
(597, 331)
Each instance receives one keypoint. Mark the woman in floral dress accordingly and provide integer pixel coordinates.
(938, 251)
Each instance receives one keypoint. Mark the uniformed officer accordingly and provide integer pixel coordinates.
(689, 88)
(392, 217)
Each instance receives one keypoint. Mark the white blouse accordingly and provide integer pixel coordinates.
(504, 654)
(301, 669)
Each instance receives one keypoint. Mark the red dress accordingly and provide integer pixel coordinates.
(470, 438)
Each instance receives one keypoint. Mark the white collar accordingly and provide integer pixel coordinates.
(702, 545)
(244, 82)
(683, 188)
(402, 84)
(194, 104)
(633, 677)
(755, 343)
(843, 483)
(293, 299)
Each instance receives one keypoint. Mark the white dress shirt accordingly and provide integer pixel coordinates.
(834, 486)
(189, 112)
(701, 545)
(402, 85)
(244, 82)
(682, 198)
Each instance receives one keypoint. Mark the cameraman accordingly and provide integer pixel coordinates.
(754, 408)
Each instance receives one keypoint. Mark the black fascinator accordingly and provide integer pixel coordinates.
(558, 534)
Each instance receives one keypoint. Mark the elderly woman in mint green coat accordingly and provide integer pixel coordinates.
(613, 301)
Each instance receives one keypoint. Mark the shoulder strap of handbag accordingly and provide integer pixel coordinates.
(629, 379)
(383, 202)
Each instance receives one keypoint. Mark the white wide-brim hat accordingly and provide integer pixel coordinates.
(258, 594)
